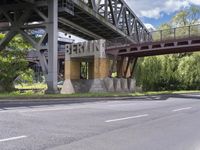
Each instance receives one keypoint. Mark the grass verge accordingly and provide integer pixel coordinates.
(40, 95)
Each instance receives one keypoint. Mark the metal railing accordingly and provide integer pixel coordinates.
(185, 32)
(117, 42)
(176, 33)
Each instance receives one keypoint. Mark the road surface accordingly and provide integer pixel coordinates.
(147, 123)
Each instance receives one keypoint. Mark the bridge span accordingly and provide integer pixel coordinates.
(169, 41)
(111, 20)
(174, 40)
(89, 19)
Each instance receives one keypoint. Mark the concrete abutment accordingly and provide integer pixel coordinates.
(96, 73)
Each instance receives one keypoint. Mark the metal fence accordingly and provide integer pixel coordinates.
(185, 32)
(176, 33)
(117, 42)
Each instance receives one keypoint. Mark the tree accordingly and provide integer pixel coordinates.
(186, 17)
(189, 71)
(147, 74)
(175, 71)
(13, 62)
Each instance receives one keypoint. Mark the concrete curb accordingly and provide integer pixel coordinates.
(52, 101)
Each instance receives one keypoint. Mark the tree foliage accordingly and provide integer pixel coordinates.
(186, 17)
(175, 71)
(13, 62)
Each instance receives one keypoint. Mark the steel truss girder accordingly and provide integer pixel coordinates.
(17, 15)
(18, 24)
(121, 16)
(123, 65)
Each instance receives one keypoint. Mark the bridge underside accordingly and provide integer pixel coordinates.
(101, 19)
(82, 24)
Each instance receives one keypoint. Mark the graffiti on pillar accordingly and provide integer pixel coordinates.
(90, 48)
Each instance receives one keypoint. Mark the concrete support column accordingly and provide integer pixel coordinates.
(123, 67)
(91, 69)
(120, 67)
(101, 68)
(72, 69)
(52, 46)
(127, 68)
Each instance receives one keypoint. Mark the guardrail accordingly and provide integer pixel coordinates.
(184, 32)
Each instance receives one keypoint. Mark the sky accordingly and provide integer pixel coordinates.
(153, 13)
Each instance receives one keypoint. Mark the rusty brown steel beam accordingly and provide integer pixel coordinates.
(158, 48)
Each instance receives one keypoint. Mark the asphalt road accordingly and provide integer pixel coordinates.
(148, 123)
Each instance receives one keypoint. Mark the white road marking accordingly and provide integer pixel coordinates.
(13, 138)
(126, 118)
(180, 109)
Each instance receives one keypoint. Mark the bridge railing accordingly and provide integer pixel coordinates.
(117, 42)
(176, 33)
(172, 34)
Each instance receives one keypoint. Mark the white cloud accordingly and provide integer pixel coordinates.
(156, 8)
(152, 13)
(196, 2)
(149, 26)
(172, 6)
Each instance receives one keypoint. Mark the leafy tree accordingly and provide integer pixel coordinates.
(13, 62)
(189, 71)
(147, 73)
(180, 19)
(186, 17)
(175, 71)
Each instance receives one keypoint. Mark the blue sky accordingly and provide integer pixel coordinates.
(157, 22)
(156, 12)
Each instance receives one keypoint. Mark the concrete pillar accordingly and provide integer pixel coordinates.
(123, 67)
(120, 62)
(52, 46)
(72, 69)
(101, 68)
(91, 70)
(127, 67)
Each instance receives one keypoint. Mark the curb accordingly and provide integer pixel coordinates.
(72, 100)
(53, 101)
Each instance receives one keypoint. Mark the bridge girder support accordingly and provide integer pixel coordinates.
(19, 19)
(124, 66)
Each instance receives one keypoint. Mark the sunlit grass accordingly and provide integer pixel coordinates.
(31, 86)
(29, 94)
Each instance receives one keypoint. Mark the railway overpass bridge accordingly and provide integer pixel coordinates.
(89, 19)
(111, 20)
(174, 40)
(123, 52)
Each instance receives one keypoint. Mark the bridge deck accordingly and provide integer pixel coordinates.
(178, 40)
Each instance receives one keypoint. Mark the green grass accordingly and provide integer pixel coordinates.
(40, 95)
(31, 86)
